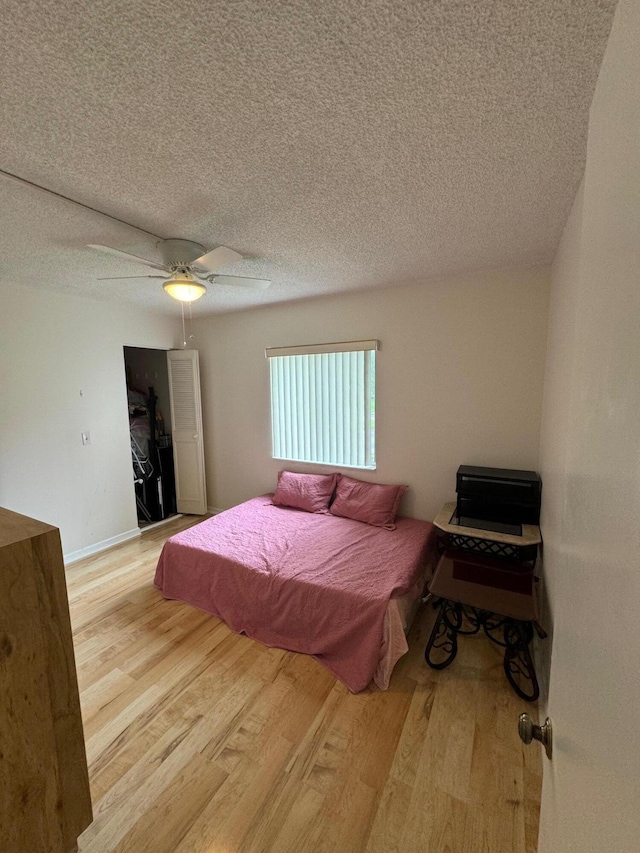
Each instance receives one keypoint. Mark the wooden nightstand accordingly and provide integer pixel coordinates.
(45, 802)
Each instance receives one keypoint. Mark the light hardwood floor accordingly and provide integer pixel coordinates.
(203, 741)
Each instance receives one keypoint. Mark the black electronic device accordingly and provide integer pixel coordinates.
(500, 499)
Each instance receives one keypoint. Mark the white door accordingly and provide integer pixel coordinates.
(186, 422)
(590, 458)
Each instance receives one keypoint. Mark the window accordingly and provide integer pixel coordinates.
(323, 403)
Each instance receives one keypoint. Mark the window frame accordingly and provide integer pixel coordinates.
(345, 398)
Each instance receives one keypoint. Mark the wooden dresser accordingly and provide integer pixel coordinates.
(45, 801)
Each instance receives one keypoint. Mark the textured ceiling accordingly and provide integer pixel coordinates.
(340, 144)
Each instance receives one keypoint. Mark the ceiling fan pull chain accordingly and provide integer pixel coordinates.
(184, 334)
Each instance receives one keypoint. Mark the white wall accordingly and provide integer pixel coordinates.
(53, 348)
(590, 464)
(459, 380)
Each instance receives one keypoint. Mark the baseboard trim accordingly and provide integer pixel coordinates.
(214, 510)
(74, 556)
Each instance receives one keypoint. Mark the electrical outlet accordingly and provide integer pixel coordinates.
(86, 437)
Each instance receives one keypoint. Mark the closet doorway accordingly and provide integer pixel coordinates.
(151, 433)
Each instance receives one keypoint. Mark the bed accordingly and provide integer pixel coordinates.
(338, 589)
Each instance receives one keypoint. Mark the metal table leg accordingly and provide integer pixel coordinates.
(518, 663)
(511, 634)
(443, 643)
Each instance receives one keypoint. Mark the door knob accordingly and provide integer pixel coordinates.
(529, 731)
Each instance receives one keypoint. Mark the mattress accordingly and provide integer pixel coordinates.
(334, 588)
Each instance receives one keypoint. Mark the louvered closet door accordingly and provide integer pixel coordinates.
(186, 422)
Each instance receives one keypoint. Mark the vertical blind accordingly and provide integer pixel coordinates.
(323, 406)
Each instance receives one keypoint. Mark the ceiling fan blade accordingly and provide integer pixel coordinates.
(241, 281)
(125, 256)
(118, 277)
(216, 258)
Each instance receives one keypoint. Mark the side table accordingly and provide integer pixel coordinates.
(485, 581)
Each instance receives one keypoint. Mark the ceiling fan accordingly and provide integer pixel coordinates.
(187, 266)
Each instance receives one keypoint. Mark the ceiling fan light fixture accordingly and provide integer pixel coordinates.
(183, 287)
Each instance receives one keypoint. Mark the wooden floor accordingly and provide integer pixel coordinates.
(203, 741)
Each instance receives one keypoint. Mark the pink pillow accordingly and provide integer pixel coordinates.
(311, 492)
(372, 503)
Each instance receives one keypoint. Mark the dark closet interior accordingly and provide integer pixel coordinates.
(150, 433)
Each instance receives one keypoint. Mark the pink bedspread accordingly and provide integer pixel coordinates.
(310, 583)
